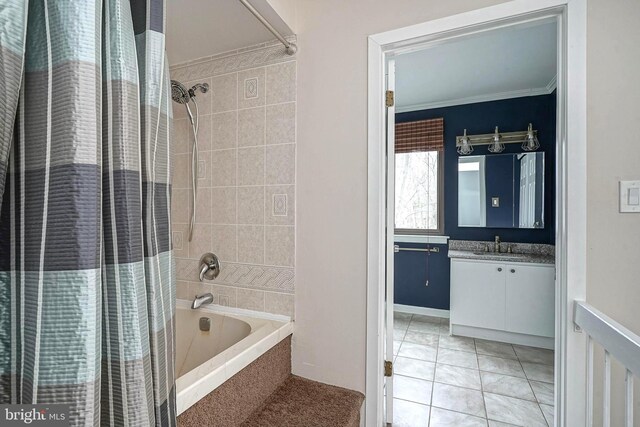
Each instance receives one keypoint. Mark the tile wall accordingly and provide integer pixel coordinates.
(245, 212)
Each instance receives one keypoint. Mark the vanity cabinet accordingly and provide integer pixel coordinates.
(516, 298)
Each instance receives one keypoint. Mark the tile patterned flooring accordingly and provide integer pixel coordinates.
(440, 380)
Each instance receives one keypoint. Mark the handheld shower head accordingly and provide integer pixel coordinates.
(179, 93)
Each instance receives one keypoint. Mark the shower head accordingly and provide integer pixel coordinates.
(179, 93)
(202, 87)
(182, 95)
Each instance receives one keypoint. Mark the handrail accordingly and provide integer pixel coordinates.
(619, 341)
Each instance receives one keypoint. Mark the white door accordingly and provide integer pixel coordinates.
(391, 123)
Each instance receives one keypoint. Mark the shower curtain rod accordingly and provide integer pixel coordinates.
(290, 48)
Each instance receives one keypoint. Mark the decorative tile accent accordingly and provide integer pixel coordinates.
(251, 88)
(279, 205)
(236, 62)
(177, 240)
(256, 276)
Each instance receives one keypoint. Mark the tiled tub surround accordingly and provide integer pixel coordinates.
(521, 252)
(205, 360)
(245, 212)
(443, 380)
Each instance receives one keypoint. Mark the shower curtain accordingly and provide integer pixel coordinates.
(87, 285)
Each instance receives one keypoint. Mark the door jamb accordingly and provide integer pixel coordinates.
(571, 174)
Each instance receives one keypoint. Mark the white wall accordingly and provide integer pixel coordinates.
(613, 97)
(329, 342)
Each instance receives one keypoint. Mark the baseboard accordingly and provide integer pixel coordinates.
(503, 336)
(425, 311)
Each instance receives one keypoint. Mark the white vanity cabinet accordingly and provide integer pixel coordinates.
(513, 302)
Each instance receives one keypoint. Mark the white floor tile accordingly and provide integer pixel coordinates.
(458, 399)
(455, 375)
(426, 327)
(410, 414)
(412, 389)
(399, 316)
(548, 412)
(500, 424)
(399, 333)
(544, 392)
(421, 338)
(507, 385)
(444, 418)
(515, 411)
(534, 355)
(457, 343)
(414, 368)
(419, 318)
(396, 346)
(496, 349)
(499, 365)
(418, 351)
(457, 358)
(538, 372)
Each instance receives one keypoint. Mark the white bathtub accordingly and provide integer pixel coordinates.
(205, 360)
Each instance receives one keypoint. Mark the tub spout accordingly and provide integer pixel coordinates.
(202, 300)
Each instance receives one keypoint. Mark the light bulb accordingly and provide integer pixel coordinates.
(530, 142)
(496, 146)
(465, 145)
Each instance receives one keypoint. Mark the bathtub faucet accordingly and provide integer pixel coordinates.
(202, 300)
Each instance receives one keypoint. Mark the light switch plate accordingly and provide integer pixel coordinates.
(630, 196)
(495, 202)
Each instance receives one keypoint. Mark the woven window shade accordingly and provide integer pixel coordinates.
(422, 135)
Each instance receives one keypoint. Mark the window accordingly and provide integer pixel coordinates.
(418, 177)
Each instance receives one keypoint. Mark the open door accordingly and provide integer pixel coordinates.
(390, 201)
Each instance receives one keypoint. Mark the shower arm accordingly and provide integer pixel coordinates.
(290, 48)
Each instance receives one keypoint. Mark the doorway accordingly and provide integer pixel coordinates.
(384, 48)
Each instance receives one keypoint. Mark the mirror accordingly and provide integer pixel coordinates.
(501, 191)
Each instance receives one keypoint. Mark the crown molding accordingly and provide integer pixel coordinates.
(545, 90)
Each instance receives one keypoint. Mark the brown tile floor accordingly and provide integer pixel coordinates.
(440, 380)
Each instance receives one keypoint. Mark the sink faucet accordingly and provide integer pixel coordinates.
(202, 300)
(497, 245)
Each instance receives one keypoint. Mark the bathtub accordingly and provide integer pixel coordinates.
(205, 360)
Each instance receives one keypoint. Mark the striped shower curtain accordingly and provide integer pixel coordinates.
(87, 285)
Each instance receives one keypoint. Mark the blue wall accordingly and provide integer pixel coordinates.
(510, 115)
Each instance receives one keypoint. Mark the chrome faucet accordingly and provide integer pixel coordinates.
(202, 300)
(496, 247)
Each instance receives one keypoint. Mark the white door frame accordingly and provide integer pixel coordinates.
(571, 187)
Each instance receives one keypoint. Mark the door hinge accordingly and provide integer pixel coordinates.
(388, 368)
(389, 98)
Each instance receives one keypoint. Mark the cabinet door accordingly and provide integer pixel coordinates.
(531, 299)
(478, 294)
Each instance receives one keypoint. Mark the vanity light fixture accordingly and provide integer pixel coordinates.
(496, 145)
(530, 142)
(465, 146)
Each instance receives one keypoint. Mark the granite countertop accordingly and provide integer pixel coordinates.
(522, 252)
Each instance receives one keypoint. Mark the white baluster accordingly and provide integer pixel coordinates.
(628, 412)
(606, 406)
(589, 381)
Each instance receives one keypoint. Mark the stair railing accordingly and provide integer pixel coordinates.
(619, 343)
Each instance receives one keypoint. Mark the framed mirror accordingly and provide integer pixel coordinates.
(501, 191)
